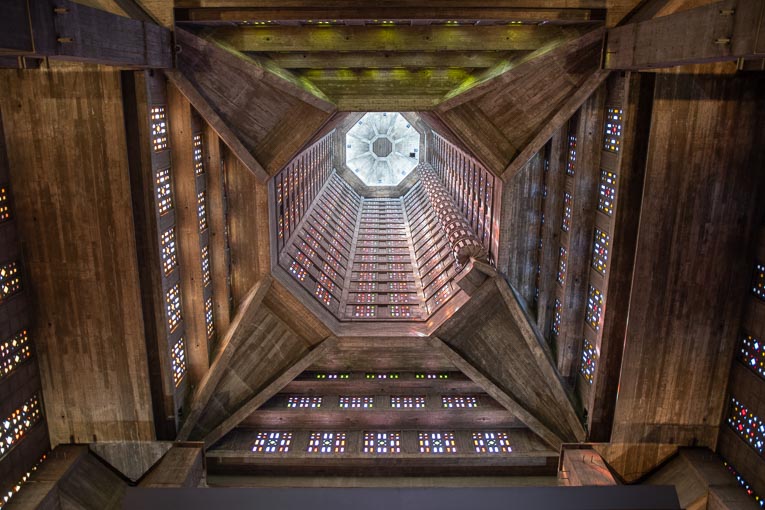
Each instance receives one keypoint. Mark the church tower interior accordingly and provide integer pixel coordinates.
(490, 253)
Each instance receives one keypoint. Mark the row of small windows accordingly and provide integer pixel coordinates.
(380, 375)
(758, 285)
(168, 251)
(15, 426)
(199, 167)
(743, 483)
(10, 280)
(164, 191)
(747, 425)
(589, 361)
(206, 278)
(209, 322)
(382, 443)
(202, 210)
(613, 130)
(14, 351)
(368, 402)
(562, 263)
(173, 307)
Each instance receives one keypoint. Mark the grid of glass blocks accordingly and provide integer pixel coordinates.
(5, 205)
(298, 402)
(173, 307)
(600, 251)
(206, 278)
(752, 354)
(400, 311)
(158, 128)
(364, 311)
(14, 351)
(557, 313)
(167, 248)
(747, 425)
(594, 308)
(164, 193)
(10, 280)
(202, 210)
(437, 442)
(326, 442)
(178, 359)
(15, 426)
(357, 402)
(568, 204)
(209, 323)
(272, 442)
(297, 271)
(613, 130)
(562, 262)
(758, 286)
(322, 295)
(491, 442)
(458, 401)
(400, 402)
(607, 192)
(589, 360)
(382, 443)
(199, 166)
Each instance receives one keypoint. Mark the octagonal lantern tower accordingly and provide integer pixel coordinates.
(382, 148)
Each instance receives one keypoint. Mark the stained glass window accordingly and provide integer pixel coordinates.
(178, 358)
(752, 354)
(589, 360)
(442, 295)
(607, 192)
(743, 483)
(454, 402)
(397, 402)
(17, 487)
(568, 204)
(758, 286)
(357, 402)
(326, 442)
(613, 130)
(199, 166)
(326, 282)
(381, 375)
(747, 424)
(209, 323)
(364, 311)
(562, 262)
(10, 280)
(400, 311)
(367, 286)
(167, 248)
(297, 271)
(322, 294)
(382, 442)
(158, 128)
(491, 442)
(437, 442)
(14, 351)
(571, 163)
(206, 278)
(600, 251)
(15, 426)
(5, 204)
(202, 210)
(594, 308)
(173, 307)
(304, 402)
(272, 442)
(557, 313)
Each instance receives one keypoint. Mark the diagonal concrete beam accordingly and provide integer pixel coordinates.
(238, 331)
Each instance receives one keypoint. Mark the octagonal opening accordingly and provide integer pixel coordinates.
(382, 148)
